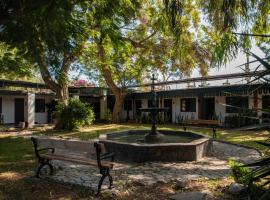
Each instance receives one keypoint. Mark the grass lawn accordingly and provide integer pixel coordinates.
(17, 163)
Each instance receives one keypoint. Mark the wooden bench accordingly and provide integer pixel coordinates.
(47, 149)
(202, 122)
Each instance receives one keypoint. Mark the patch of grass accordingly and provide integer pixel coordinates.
(16, 154)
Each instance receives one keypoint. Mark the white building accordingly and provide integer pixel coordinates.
(34, 104)
(223, 103)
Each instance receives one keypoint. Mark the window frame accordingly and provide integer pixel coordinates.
(192, 100)
(43, 109)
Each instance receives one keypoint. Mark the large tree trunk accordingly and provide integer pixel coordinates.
(117, 109)
(118, 92)
(62, 94)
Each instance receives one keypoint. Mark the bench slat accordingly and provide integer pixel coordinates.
(79, 160)
(72, 145)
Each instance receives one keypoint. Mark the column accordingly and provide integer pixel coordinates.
(103, 104)
(30, 110)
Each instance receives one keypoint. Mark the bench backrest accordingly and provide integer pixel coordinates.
(69, 145)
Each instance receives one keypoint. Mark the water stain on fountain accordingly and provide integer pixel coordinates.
(143, 146)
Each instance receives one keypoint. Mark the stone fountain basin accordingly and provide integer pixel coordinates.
(139, 152)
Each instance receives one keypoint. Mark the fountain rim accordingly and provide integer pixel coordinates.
(104, 138)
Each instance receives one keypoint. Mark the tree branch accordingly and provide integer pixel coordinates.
(43, 66)
(139, 44)
(104, 68)
(71, 57)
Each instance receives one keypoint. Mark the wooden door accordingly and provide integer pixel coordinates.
(19, 110)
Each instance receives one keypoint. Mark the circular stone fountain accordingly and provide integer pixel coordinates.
(163, 145)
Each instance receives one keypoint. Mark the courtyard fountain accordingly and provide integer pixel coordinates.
(163, 145)
(154, 136)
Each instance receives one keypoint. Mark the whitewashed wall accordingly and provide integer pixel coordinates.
(8, 109)
(220, 108)
(175, 109)
(184, 115)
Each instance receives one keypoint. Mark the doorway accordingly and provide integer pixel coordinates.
(138, 105)
(19, 110)
(209, 108)
(168, 113)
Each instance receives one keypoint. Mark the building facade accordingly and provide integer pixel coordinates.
(34, 104)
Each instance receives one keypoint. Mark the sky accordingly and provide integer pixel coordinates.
(231, 67)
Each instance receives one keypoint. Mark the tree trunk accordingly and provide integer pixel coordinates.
(118, 92)
(117, 109)
(62, 94)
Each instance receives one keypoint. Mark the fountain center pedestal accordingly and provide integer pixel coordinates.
(154, 136)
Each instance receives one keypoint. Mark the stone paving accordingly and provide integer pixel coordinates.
(153, 172)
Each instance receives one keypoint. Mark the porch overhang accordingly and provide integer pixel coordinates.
(229, 90)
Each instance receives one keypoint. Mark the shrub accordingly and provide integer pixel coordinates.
(241, 174)
(74, 115)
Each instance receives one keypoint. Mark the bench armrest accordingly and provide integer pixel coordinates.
(43, 149)
(107, 155)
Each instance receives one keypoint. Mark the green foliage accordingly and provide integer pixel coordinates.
(266, 75)
(241, 174)
(261, 170)
(245, 117)
(75, 114)
(13, 64)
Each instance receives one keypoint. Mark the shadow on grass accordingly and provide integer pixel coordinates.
(32, 188)
(17, 166)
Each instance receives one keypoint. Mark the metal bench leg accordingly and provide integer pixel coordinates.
(110, 179)
(185, 128)
(104, 174)
(214, 133)
(51, 168)
(41, 165)
(39, 168)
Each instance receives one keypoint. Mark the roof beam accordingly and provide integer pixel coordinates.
(207, 78)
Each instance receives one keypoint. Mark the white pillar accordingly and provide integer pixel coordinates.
(30, 110)
(103, 104)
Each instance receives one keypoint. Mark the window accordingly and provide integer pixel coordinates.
(236, 104)
(188, 105)
(40, 105)
(128, 105)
